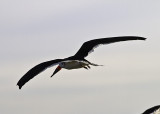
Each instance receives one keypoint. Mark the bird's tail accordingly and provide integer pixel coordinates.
(93, 64)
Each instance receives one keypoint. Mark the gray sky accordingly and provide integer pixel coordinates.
(34, 31)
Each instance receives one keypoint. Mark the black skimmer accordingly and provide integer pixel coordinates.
(76, 61)
(153, 110)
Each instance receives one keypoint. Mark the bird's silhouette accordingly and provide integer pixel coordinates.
(76, 61)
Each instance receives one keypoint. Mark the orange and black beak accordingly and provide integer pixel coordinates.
(56, 70)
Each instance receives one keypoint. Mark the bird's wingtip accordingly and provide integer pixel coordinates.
(144, 38)
(141, 38)
(19, 86)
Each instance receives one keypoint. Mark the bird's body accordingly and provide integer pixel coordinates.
(74, 64)
(76, 61)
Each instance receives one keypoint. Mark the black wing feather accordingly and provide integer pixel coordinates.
(151, 110)
(89, 45)
(36, 70)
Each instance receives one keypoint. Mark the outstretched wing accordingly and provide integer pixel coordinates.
(153, 110)
(88, 46)
(36, 70)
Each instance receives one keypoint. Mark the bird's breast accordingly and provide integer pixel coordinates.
(75, 64)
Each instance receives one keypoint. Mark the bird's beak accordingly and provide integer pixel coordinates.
(56, 70)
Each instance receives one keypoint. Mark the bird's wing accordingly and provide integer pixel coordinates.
(89, 46)
(154, 110)
(36, 70)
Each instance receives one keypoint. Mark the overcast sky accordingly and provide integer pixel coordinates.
(35, 31)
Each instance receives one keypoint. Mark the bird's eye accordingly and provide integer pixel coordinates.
(63, 64)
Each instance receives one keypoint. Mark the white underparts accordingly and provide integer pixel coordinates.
(75, 64)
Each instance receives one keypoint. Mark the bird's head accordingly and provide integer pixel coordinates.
(62, 64)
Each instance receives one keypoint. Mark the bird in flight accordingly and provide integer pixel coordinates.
(153, 110)
(76, 61)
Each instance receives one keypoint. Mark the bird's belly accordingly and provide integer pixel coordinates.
(74, 65)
